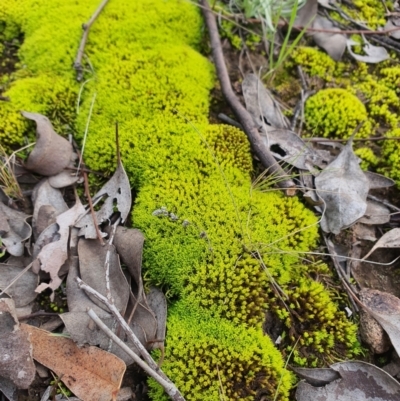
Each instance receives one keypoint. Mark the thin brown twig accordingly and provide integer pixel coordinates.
(86, 28)
(378, 138)
(89, 198)
(261, 151)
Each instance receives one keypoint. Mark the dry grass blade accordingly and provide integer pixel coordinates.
(8, 180)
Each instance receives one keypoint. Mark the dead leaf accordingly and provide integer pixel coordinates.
(375, 214)
(393, 22)
(261, 105)
(16, 363)
(52, 153)
(359, 381)
(333, 43)
(53, 255)
(63, 179)
(385, 308)
(44, 195)
(8, 388)
(158, 304)
(89, 372)
(306, 14)
(92, 261)
(391, 239)
(344, 188)
(317, 377)
(117, 194)
(129, 245)
(378, 180)
(83, 330)
(364, 232)
(23, 291)
(14, 230)
(373, 54)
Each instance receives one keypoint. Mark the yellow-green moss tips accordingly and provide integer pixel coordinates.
(336, 112)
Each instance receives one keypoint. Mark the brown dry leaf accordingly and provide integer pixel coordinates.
(23, 291)
(14, 230)
(385, 308)
(391, 239)
(344, 188)
(92, 267)
(358, 381)
(158, 304)
(83, 330)
(333, 43)
(52, 153)
(16, 363)
(129, 245)
(45, 195)
(378, 180)
(375, 214)
(116, 194)
(261, 105)
(89, 372)
(306, 14)
(53, 255)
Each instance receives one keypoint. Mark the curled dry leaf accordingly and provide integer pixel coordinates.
(344, 189)
(391, 239)
(44, 195)
(16, 363)
(392, 23)
(267, 115)
(373, 54)
(358, 381)
(158, 304)
(261, 105)
(317, 377)
(333, 43)
(129, 245)
(89, 372)
(23, 291)
(53, 255)
(385, 308)
(375, 214)
(116, 193)
(14, 230)
(52, 153)
(378, 180)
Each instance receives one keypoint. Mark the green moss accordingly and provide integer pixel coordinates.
(335, 112)
(212, 240)
(212, 358)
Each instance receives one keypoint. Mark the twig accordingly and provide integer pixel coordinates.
(169, 387)
(38, 314)
(223, 117)
(378, 138)
(143, 352)
(261, 151)
(89, 198)
(107, 261)
(86, 28)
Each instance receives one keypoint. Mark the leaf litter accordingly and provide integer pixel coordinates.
(63, 248)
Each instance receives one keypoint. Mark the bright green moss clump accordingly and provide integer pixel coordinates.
(220, 359)
(212, 241)
(336, 112)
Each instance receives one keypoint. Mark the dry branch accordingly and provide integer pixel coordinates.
(260, 150)
(86, 28)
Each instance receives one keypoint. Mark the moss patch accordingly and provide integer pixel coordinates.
(212, 241)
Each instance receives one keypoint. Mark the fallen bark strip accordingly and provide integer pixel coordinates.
(86, 28)
(260, 150)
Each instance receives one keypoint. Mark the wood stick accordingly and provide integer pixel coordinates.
(86, 28)
(260, 150)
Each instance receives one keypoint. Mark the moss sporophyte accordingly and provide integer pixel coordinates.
(148, 75)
